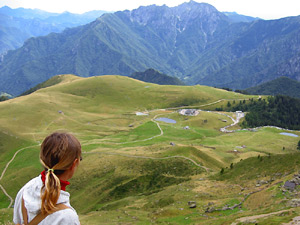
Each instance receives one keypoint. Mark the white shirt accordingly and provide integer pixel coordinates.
(31, 193)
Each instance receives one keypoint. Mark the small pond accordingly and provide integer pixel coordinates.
(166, 120)
(289, 134)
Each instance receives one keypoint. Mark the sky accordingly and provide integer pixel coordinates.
(265, 9)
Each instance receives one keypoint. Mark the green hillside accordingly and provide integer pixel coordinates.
(153, 76)
(48, 83)
(279, 86)
(130, 173)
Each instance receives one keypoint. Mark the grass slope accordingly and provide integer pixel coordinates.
(279, 86)
(153, 76)
(130, 173)
(48, 83)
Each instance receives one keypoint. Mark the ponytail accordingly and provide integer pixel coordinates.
(51, 192)
(58, 152)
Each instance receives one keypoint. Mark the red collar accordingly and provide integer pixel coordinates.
(63, 184)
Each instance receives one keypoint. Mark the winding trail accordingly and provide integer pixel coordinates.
(252, 218)
(207, 104)
(147, 139)
(235, 121)
(154, 158)
(5, 169)
(100, 141)
(10, 198)
(18, 151)
(224, 129)
(148, 157)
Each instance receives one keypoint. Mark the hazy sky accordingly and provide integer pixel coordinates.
(266, 9)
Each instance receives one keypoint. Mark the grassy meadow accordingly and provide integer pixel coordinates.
(130, 173)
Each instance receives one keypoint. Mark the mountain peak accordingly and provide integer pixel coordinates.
(184, 13)
(5, 7)
(194, 3)
(196, 6)
(193, 10)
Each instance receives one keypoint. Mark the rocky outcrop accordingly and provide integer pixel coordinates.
(294, 203)
(178, 19)
(293, 183)
(192, 204)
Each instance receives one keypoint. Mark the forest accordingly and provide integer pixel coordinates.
(282, 111)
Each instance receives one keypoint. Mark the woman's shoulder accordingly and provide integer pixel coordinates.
(66, 216)
(24, 193)
(34, 183)
(31, 193)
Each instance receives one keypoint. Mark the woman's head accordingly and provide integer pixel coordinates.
(59, 150)
(60, 154)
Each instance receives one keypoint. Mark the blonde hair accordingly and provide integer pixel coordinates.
(58, 152)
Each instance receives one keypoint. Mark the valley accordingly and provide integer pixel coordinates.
(137, 170)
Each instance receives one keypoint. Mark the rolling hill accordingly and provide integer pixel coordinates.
(153, 76)
(279, 86)
(130, 172)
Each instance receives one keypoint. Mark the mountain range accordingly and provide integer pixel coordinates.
(17, 25)
(193, 42)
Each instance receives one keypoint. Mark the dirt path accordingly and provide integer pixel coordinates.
(10, 198)
(102, 141)
(224, 129)
(147, 139)
(212, 103)
(235, 121)
(252, 218)
(12, 159)
(154, 158)
(5, 169)
(145, 157)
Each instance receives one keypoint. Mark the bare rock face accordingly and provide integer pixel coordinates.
(178, 16)
(173, 22)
